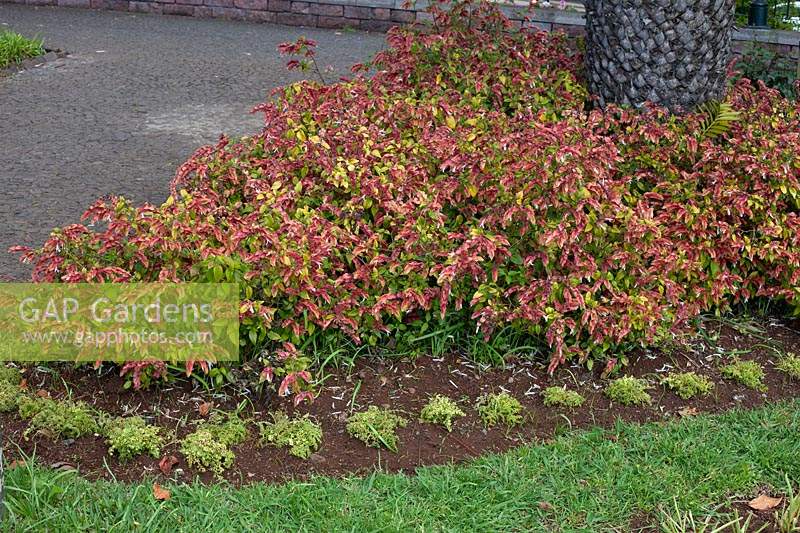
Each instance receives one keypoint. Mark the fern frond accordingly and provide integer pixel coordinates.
(717, 119)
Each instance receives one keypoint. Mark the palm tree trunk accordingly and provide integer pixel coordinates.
(671, 52)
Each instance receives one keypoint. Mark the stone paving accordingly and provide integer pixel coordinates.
(135, 97)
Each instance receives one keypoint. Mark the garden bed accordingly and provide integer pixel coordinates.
(405, 386)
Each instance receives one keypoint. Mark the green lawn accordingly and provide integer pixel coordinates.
(596, 480)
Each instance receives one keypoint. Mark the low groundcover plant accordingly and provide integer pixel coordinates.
(629, 390)
(441, 410)
(302, 435)
(132, 436)
(789, 364)
(465, 183)
(562, 397)
(9, 395)
(9, 374)
(376, 427)
(500, 408)
(689, 384)
(57, 419)
(208, 447)
(748, 373)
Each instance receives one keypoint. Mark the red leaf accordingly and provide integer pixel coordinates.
(204, 408)
(166, 464)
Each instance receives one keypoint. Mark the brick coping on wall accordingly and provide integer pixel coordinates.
(369, 15)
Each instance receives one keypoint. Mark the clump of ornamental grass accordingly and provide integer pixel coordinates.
(301, 435)
(747, 373)
(688, 384)
(132, 436)
(629, 390)
(10, 374)
(441, 410)
(376, 427)
(789, 364)
(9, 395)
(208, 447)
(15, 47)
(57, 419)
(562, 397)
(500, 408)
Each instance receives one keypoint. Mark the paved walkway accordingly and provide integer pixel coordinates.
(137, 95)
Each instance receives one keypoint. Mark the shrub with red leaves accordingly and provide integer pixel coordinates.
(465, 179)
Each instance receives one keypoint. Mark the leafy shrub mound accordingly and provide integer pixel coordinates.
(689, 384)
(129, 437)
(57, 419)
(441, 410)
(208, 447)
(789, 364)
(748, 373)
(301, 435)
(629, 390)
(501, 408)
(562, 397)
(465, 184)
(376, 427)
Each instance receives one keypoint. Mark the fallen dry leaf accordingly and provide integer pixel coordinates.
(204, 408)
(41, 393)
(688, 411)
(764, 503)
(23, 384)
(545, 506)
(15, 464)
(166, 464)
(160, 493)
(61, 465)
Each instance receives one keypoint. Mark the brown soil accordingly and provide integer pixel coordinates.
(404, 386)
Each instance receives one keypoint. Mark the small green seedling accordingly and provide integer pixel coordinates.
(57, 419)
(688, 384)
(302, 435)
(499, 408)
(789, 364)
(748, 373)
(376, 427)
(629, 390)
(562, 397)
(129, 437)
(441, 410)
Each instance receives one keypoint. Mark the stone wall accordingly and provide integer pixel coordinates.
(369, 15)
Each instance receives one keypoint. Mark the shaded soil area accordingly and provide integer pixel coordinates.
(405, 386)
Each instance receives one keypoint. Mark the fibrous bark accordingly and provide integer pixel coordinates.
(671, 52)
